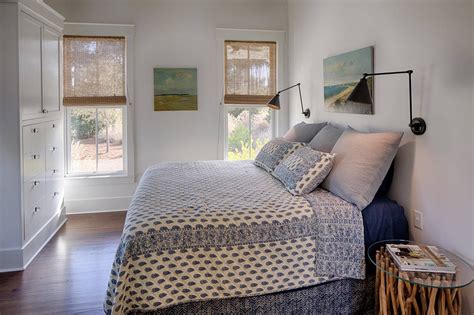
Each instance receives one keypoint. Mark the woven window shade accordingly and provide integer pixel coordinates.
(94, 71)
(250, 72)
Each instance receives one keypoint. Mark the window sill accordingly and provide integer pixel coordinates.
(91, 180)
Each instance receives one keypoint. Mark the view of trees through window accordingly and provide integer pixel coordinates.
(96, 140)
(248, 129)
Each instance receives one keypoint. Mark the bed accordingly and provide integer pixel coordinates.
(227, 237)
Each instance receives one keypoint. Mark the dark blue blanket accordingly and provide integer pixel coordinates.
(384, 219)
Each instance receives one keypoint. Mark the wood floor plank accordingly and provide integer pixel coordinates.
(70, 274)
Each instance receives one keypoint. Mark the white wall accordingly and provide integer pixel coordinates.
(176, 34)
(434, 38)
(180, 33)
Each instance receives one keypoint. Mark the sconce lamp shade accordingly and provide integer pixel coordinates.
(361, 93)
(274, 103)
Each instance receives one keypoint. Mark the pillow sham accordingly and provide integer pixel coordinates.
(302, 171)
(274, 151)
(303, 132)
(325, 140)
(361, 163)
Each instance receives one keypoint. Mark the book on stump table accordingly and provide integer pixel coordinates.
(422, 258)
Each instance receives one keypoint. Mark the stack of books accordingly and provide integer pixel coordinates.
(420, 258)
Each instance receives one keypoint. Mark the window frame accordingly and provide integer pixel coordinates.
(105, 30)
(279, 118)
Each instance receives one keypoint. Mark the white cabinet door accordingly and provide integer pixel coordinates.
(30, 67)
(51, 44)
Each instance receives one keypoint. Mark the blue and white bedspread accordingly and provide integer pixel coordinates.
(208, 230)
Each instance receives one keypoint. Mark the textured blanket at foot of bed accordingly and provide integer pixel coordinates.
(346, 296)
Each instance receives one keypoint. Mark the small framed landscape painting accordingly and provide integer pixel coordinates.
(175, 89)
(341, 75)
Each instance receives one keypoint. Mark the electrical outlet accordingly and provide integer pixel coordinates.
(418, 216)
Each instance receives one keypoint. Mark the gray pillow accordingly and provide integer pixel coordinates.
(362, 160)
(274, 151)
(303, 132)
(325, 140)
(302, 171)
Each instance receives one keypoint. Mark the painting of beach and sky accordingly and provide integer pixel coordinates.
(175, 89)
(341, 75)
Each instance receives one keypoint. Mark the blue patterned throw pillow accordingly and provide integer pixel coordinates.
(303, 171)
(274, 152)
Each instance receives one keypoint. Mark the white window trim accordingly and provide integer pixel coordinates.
(279, 118)
(127, 31)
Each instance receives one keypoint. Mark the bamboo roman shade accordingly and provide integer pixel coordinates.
(94, 71)
(250, 72)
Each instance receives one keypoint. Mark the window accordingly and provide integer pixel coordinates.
(95, 101)
(249, 83)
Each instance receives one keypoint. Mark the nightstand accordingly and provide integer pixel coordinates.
(400, 292)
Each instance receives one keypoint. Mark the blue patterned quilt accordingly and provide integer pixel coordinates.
(216, 229)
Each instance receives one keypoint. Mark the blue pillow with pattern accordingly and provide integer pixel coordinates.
(303, 171)
(274, 151)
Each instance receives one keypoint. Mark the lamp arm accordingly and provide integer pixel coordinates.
(409, 72)
(290, 87)
(301, 99)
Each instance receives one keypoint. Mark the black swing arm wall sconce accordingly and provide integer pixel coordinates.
(361, 94)
(274, 103)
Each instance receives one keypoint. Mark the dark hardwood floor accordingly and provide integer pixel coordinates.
(70, 274)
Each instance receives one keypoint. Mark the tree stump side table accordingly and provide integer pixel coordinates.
(400, 292)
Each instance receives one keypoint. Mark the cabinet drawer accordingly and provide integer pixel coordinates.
(33, 190)
(33, 138)
(54, 194)
(33, 165)
(54, 159)
(34, 217)
(54, 133)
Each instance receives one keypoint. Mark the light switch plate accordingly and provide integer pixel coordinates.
(418, 216)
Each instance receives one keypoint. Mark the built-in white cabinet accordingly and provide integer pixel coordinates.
(31, 130)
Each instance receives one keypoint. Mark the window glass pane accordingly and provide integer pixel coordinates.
(248, 130)
(261, 130)
(110, 140)
(82, 140)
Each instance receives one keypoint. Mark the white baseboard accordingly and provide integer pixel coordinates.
(92, 212)
(97, 205)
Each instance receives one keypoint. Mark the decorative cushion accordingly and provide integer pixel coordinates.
(361, 163)
(274, 151)
(325, 140)
(302, 171)
(303, 132)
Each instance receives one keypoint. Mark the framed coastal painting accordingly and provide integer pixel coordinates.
(175, 89)
(341, 74)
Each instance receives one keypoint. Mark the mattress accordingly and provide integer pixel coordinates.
(201, 231)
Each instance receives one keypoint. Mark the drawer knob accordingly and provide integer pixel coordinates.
(55, 171)
(54, 125)
(36, 156)
(54, 149)
(45, 111)
(36, 182)
(55, 194)
(35, 130)
(37, 209)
